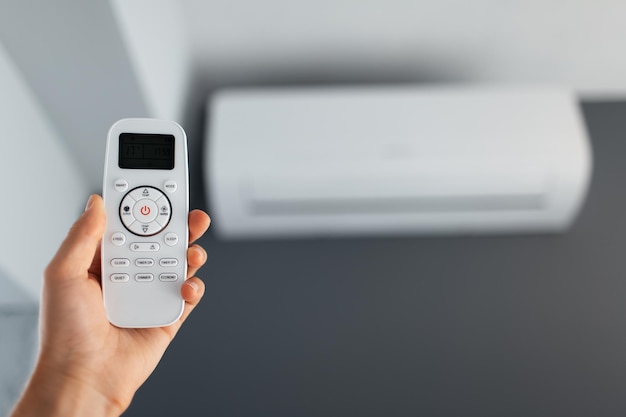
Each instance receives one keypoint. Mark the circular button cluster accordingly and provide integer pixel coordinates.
(145, 211)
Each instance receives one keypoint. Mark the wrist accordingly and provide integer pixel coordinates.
(55, 394)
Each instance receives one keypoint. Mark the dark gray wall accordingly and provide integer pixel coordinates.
(472, 326)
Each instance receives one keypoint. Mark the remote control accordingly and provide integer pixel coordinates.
(144, 246)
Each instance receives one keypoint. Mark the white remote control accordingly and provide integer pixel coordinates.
(144, 246)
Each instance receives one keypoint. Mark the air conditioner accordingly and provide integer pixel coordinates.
(394, 160)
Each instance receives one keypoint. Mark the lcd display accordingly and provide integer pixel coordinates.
(146, 151)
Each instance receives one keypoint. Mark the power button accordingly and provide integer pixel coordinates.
(145, 210)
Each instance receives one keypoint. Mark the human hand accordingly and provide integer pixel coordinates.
(87, 366)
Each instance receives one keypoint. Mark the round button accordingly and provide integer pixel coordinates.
(171, 239)
(118, 238)
(120, 185)
(145, 210)
(170, 186)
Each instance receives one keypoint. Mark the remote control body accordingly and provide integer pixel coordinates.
(144, 247)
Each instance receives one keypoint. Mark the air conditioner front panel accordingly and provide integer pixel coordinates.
(323, 193)
(323, 162)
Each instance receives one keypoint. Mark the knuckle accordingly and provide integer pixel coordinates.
(52, 270)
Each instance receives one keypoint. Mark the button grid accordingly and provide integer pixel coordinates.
(145, 211)
(121, 263)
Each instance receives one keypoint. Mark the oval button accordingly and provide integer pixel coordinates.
(168, 277)
(144, 262)
(120, 262)
(144, 246)
(144, 277)
(168, 262)
(119, 277)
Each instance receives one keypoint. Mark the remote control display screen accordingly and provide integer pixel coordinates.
(146, 151)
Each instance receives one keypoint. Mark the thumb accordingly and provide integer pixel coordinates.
(77, 251)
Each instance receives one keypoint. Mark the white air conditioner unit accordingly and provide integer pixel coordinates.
(396, 160)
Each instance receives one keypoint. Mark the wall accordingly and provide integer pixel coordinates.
(43, 187)
(521, 41)
(18, 344)
(105, 60)
(155, 36)
(72, 56)
(44, 192)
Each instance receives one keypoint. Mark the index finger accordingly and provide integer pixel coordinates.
(199, 222)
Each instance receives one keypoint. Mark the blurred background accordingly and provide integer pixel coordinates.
(412, 325)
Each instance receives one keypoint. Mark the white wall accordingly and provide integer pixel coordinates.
(43, 189)
(574, 43)
(158, 45)
(73, 57)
